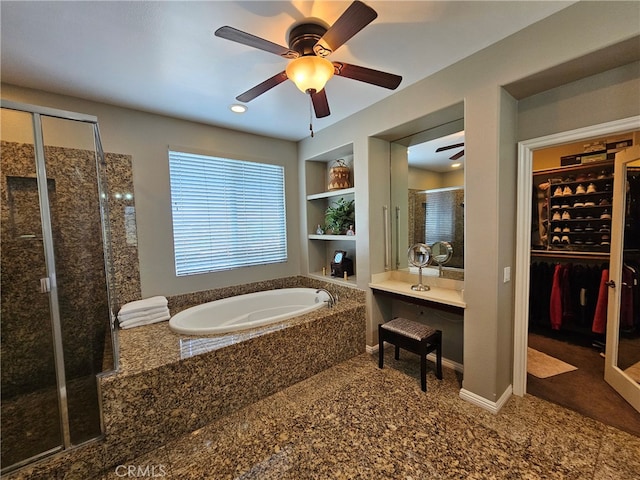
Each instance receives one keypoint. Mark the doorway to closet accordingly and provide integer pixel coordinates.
(564, 249)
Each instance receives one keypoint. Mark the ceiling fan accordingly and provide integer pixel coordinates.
(455, 156)
(309, 44)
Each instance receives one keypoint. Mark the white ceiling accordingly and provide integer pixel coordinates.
(425, 156)
(162, 57)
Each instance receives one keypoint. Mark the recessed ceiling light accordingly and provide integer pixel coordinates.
(237, 108)
(455, 165)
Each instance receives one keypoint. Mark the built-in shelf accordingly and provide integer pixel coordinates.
(328, 278)
(332, 193)
(315, 236)
(321, 249)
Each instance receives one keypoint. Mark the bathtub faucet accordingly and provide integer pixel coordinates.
(332, 299)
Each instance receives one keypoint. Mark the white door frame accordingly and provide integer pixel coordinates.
(523, 230)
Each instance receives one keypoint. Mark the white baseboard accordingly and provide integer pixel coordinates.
(493, 407)
(446, 363)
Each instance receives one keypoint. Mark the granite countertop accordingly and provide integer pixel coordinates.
(444, 291)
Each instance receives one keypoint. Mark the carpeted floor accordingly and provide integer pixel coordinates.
(583, 390)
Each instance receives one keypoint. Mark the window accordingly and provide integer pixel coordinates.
(440, 216)
(226, 213)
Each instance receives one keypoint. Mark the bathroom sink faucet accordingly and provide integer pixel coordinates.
(332, 299)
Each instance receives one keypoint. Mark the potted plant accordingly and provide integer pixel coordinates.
(340, 216)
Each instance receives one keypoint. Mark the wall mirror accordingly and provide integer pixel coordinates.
(427, 191)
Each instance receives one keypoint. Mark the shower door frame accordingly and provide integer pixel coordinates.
(50, 283)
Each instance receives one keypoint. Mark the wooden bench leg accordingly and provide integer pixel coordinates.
(380, 347)
(423, 371)
(439, 356)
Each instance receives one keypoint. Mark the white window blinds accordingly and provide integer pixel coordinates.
(226, 213)
(440, 216)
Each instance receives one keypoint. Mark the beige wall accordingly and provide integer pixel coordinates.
(147, 137)
(491, 119)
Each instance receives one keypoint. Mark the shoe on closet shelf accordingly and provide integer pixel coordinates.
(578, 229)
(566, 229)
(556, 216)
(565, 205)
(605, 202)
(590, 203)
(565, 240)
(567, 191)
(555, 239)
(605, 215)
(557, 192)
(589, 228)
(604, 229)
(566, 215)
(557, 230)
(591, 188)
(580, 190)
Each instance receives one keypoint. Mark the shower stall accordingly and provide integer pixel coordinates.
(56, 306)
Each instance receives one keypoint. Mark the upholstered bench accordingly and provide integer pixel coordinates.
(414, 337)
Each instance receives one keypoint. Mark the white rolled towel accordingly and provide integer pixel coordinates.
(141, 313)
(146, 319)
(145, 304)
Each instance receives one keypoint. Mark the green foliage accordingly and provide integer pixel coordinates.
(340, 215)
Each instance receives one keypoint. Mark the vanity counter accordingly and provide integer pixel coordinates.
(442, 291)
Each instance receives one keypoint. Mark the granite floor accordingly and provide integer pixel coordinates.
(357, 421)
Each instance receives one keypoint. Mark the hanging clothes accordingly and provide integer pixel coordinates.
(555, 309)
(600, 317)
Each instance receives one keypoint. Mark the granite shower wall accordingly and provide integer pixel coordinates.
(26, 329)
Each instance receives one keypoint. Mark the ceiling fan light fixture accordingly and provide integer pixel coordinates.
(310, 72)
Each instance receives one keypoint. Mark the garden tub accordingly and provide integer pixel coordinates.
(248, 311)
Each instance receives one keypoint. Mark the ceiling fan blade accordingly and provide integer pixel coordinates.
(235, 35)
(449, 147)
(320, 103)
(259, 89)
(457, 155)
(354, 19)
(367, 75)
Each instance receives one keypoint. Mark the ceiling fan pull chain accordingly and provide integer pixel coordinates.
(311, 115)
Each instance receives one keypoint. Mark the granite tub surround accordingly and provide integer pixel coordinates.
(170, 384)
(354, 420)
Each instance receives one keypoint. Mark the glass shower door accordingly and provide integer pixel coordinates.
(56, 323)
(30, 420)
(70, 159)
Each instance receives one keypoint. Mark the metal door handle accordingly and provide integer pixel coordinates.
(610, 284)
(45, 285)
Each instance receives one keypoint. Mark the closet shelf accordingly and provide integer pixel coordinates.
(564, 254)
